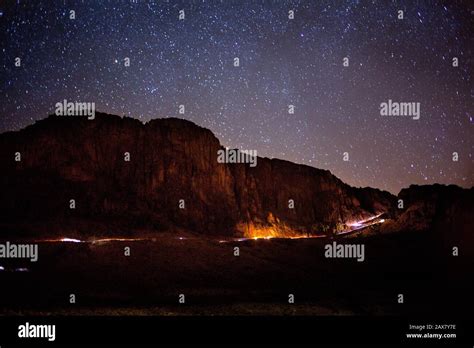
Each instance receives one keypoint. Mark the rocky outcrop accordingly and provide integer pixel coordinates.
(125, 176)
(445, 211)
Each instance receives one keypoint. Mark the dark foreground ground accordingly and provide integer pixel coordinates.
(258, 282)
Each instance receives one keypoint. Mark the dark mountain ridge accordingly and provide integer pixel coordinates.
(171, 181)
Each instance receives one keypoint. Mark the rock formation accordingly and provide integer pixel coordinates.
(126, 176)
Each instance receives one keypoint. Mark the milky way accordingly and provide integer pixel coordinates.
(282, 62)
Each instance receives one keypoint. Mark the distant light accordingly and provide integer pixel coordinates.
(22, 270)
(70, 240)
(382, 220)
(2, 268)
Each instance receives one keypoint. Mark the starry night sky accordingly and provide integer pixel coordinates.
(282, 62)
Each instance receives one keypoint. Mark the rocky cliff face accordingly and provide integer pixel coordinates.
(164, 175)
(446, 211)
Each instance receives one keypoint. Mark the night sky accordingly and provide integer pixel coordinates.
(282, 62)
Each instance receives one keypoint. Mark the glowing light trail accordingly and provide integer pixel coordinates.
(70, 240)
(358, 225)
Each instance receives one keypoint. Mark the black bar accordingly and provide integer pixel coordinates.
(240, 330)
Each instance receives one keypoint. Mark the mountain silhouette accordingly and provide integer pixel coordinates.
(117, 175)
